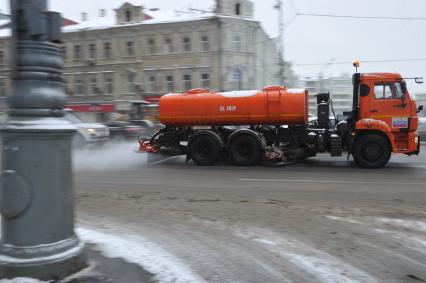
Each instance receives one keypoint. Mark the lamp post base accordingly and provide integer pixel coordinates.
(44, 262)
(38, 238)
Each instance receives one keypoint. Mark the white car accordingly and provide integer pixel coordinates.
(87, 133)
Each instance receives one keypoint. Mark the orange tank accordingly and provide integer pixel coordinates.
(274, 105)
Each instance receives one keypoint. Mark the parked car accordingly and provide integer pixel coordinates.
(313, 121)
(122, 130)
(87, 133)
(422, 128)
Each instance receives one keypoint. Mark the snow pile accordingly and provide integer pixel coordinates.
(136, 249)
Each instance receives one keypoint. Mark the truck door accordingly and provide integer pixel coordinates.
(386, 104)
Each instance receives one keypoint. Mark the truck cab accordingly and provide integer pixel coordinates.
(385, 119)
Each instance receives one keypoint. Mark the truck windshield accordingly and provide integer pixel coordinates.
(398, 90)
(388, 90)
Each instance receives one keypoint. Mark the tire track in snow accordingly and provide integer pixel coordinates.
(325, 267)
(405, 236)
(407, 233)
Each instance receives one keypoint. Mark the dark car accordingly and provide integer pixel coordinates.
(121, 130)
(313, 122)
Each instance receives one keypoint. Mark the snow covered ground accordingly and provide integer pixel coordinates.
(22, 280)
(280, 258)
(194, 224)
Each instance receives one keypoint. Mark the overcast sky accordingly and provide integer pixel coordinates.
(319, 40)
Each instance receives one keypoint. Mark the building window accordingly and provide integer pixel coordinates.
(92, 51)
(168, 45)
(205, 81)
(63, 50)
(151, 46)
(131, 82)
(78, 53)
(151, 84)
(238, 9)
(93, 85)
(237, 79)
(84, 17)
(170, 85)
(187, 83)
(205, 43)
(109, 84)
(130, 48)
(186, 44)
(236, 42)
(107, 50)
(2, 87)
(128, 16)
(80, 86)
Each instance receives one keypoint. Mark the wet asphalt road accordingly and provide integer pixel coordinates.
(322, 220)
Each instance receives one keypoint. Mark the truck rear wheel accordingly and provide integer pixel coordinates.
(371, 151)
(245, 150)
(204, 150)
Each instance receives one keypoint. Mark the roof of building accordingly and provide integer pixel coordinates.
(5, 26)
(152, 16)
(157, 17)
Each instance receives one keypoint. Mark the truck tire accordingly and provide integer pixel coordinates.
(371, 151)
(245, 150)
(204, 150)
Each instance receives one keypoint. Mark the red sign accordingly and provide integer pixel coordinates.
(92, 107)
(152, 98)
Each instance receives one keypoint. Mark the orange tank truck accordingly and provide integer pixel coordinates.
(249, 127)
(271, 106)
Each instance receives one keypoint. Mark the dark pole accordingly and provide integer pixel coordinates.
(38, 238)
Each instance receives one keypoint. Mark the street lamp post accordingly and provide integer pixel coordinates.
(36, 195)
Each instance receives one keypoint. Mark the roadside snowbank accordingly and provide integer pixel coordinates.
(22, 280)
(136, 249)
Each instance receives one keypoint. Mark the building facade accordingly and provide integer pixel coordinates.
(340, 88)
(139, 54)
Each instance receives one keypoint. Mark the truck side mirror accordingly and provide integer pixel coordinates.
(420, 109)
(418, 80)
(364, 90)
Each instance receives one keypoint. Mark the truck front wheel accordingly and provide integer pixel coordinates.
(204, 150)
(371, 151)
